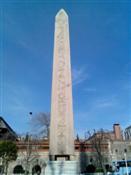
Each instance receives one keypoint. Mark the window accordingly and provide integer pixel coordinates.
(36, 170)
(18, 170)
(116, 150)
(125, 150)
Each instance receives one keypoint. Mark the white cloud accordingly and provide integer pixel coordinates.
(106, 102)
(79, 75)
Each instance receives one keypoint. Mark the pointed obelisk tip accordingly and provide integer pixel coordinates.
(62, 13)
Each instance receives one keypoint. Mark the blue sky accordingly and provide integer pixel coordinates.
(99, 38)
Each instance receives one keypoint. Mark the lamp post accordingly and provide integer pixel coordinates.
(28, 151)
(126, 163)
(116, 159)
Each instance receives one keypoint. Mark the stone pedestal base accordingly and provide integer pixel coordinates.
(62, 168)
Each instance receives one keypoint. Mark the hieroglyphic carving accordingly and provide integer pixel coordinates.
(61, 91)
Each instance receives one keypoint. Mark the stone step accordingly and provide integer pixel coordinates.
(62, 168)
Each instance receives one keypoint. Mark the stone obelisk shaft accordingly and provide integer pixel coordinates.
(61, 126)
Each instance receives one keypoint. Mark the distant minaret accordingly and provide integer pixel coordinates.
(61, 126)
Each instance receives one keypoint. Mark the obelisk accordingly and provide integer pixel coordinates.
(61, 126)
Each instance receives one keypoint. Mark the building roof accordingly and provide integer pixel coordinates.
(6, 132)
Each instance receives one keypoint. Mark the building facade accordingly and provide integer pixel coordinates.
(33, 155)
(127, 133)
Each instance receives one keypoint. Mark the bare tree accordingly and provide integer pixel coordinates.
(29, 153)
(99, 140)
(40, 124)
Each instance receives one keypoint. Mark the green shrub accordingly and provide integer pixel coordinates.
(99, 170)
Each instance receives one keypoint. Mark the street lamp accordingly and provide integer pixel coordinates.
(28, 151)
(126, 163)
